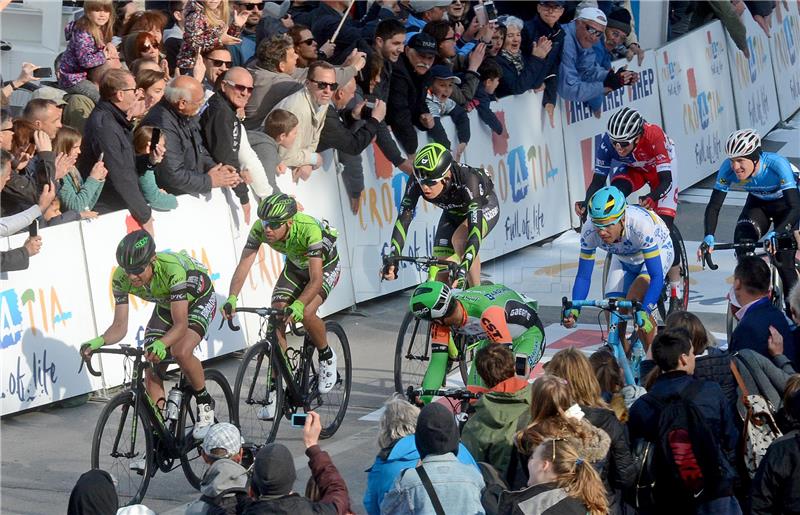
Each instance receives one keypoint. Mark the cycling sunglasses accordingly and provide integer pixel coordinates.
(273, 225)
(622, 143)
(428, 182)
(135, 271)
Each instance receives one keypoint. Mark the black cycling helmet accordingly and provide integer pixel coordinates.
(432, 162)
(135, 251)
(277, 208)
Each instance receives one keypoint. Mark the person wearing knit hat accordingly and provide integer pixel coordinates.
(454, 484)
(617, 30)
(619, 18)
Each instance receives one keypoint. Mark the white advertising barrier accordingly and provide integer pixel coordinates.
(785, 49)
(201, 227)
(583, 131)
(46, 314)
(694, 85)
(753, 80)
(528, 169)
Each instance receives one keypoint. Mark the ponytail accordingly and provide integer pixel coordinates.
(576, 475)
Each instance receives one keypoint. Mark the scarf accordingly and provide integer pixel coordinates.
(515, 59)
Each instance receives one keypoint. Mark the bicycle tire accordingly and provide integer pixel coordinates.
(332, 406)
(130, 490)
(411, 371)
(192, 462)
(663, 299)
(253, 367)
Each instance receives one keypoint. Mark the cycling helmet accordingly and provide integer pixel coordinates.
(625, 124)
(278, 207)
(606, 206)
(430, 300)
(135, 251)
(432, 162)
(743, 143)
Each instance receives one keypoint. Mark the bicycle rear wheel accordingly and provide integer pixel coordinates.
(332, 406)
(194, 466)
(254, 390)
(683, 293)
(412, 355)
(123, 436)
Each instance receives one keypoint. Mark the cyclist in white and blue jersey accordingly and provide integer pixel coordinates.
(642, 253)
(772, 197)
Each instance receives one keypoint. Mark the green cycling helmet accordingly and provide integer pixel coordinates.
(606, 206)
(277, 208)
(135, 251)
(430, 300)
(432, 162)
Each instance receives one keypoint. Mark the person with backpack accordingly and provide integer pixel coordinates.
(692, 434)
(224, 485)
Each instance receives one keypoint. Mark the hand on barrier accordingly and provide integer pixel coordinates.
(295, 309)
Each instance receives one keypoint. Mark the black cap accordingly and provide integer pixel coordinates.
(553, 2)
(273, 470)
(423, 43)
(620, 19)
(437, 432)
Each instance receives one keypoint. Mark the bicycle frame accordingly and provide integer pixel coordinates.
(612, 306)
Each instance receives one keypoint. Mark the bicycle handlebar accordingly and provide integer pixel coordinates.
(607, 304)
(461, 394)
(264, 312)
(422, 261)
(124, 350)
(744, 245)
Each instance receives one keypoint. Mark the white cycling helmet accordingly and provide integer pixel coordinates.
(743, 143)
(625, 124)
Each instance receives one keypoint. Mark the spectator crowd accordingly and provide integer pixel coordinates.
(188, 96)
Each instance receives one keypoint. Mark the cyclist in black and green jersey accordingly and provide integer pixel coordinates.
(185, 303)
(467, 197)
(312, 270)
(493, 313)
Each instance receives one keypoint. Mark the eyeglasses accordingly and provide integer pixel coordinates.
(273, 225)
(252, 7)
(128, 89)
(550, 7)
(219, 63)
(322, 85)
(241, 88)
(593, 31)
(309, 41)
(148, 46)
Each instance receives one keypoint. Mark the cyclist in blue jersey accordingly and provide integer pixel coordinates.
(642, 253)
(772, 197)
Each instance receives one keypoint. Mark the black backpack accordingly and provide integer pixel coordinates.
(231, 501)
(686, 453)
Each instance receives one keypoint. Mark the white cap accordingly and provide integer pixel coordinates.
(593, 14)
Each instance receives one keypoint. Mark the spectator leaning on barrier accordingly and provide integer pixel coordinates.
(456, 485)
(274, 476)
(521, 72)
(545, 24)
(17, 259)
(186, 167)
(110, 132)
(612, 46)
(406, 108)
(440, 105)
(580, 77)
(491, 74)
(465, 65)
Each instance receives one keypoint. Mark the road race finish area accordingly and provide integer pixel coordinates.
(546, 273)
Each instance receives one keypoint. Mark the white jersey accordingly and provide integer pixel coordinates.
(643, 233)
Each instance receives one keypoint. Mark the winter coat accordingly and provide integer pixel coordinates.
(81, 55)
(198, 35)
(337, 132)
(499, 414)
(223, 475)
(516, 82)
(543, 499)
(483, 104)
(580, 78)
(533, 30)
(390, 463)
(406, 102)
(620, 471)
(776, 485)
(311, 120)
(752, 330)
(222, 135)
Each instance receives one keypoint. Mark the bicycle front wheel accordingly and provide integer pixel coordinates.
(332, 406)
(194, 466)
(122, 445)
(258, 394)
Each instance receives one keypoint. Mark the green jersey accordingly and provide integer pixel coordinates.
(176, 276)
(496, 312)
(308, 238)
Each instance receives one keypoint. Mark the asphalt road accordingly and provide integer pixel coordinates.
(44, 452)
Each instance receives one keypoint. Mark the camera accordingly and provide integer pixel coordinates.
(366, 111)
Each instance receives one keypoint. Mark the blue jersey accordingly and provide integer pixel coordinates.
(773, 175)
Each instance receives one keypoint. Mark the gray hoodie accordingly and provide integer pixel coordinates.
(221, 476)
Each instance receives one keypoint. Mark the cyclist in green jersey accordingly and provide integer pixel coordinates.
(312, 270)
(493, 313)
(185, 304)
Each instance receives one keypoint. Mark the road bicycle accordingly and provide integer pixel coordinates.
(630, 367)
(413, 347)
(458, 398)
(663, 305)
(277, 382)
(133, 439)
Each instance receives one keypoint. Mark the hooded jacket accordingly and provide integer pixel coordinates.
(499, 414)
(223, 475)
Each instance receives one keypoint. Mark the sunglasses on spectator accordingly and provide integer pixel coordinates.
(256, 6)
(322, 84)
(309, 41)
(147, 46)
(271, 225)
(239, 87)
(219, 63)
(593, 31)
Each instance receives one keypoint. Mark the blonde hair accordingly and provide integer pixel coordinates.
(575, 474)
(102, 35)
(219, 18)
(573, 366)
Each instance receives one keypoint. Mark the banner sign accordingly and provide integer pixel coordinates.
(695, 89)
(786, 56)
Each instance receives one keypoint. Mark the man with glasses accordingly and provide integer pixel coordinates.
(217, 62)
(642, 253)
(311, 271)
(467, 197)
(246, 48)
(581, 78)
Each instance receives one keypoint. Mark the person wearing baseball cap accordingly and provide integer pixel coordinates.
(581, 78)
(424, 11)
(222, 449)
(440, 105)
(406, 101)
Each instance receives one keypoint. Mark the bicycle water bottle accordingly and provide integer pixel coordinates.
(174, 403)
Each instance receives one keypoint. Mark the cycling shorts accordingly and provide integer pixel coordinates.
(638, 177)
(621, 275)
(201, 312)
(294, 279)
(449, 223)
